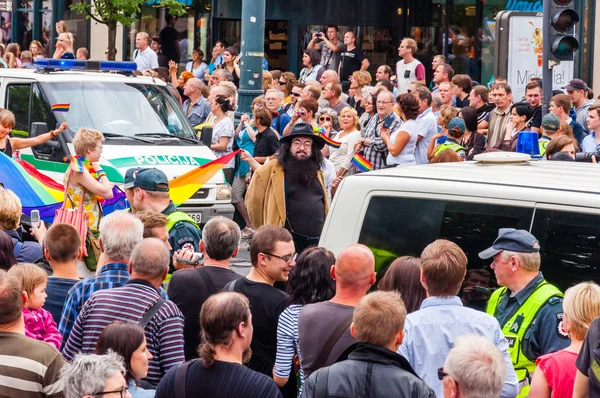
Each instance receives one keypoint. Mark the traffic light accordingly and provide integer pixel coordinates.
(563, 37)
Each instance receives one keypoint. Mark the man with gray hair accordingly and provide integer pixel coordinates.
(476, 365)
(119, 233)
(29, 367)
(190, 288)
(143, 55)
(93, 375)
(196, 107)
(138, 301)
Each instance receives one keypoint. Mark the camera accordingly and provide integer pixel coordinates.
(319, 35)
(300, 113)
(587, 156)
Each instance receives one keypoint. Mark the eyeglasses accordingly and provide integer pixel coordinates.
(281, 83)
(121, 392)
(353, 88)
(305, 144)
(325, 119)
(296, 94)
(442, 374)
(287, 259)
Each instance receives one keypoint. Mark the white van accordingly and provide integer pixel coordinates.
(142, 123)
(399, 211)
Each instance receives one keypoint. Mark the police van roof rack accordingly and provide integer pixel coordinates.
(48, 65)
(503, 158)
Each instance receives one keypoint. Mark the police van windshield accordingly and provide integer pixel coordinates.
(119, 108)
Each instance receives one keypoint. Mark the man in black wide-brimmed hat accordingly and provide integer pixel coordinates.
(290, 191)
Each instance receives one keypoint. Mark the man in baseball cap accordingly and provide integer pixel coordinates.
(549, 129)
(528, 308)
(149, 191)
(577, 90)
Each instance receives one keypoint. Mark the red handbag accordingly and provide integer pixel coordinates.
(75, 216)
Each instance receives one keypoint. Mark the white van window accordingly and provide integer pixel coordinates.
(17, 101)
(396, 226)
(569, 245)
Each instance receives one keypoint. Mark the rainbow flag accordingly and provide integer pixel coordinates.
(330, 142)
(60, 108)
(361, 163)
(185, 186)
(39, 192)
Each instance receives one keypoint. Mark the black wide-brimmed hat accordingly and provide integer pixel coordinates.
(304, 130)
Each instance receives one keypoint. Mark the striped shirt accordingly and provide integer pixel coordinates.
(287, 343)
(28, 368)
(164, 332)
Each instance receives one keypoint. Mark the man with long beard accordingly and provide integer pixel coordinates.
(290, 191)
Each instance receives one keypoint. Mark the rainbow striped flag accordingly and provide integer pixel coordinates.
(185, 186)
(60, 108)
(361, 163)
(329, 141)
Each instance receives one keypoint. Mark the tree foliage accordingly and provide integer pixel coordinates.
(124, 12)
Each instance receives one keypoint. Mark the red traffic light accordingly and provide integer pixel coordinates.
(565, 19)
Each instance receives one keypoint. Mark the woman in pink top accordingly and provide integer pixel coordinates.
(555, 373)
(39, 323)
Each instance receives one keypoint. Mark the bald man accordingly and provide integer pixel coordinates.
(196, 107)
(324, 328)
(330, 76)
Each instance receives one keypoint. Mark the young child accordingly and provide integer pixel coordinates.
(39, 323)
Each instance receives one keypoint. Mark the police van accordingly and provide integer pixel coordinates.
(142, 123)
(399, 211)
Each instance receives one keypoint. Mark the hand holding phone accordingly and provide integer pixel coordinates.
(35, 218)
(387, 122)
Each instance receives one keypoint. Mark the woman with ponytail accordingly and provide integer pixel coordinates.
(223, 132)
(226, 324)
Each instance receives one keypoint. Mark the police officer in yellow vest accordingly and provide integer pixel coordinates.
(456, 130)
(549, 130)
(148, 190)
(528, 308)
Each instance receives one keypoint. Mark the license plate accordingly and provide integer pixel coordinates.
(196, 217)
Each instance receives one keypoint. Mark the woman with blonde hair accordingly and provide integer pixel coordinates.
(85, 180)
(555, 373)
(36, 48)
(267, 80)
(348, 136)
(64, 46)
(15, 50)
(447, 113)
(360, 79)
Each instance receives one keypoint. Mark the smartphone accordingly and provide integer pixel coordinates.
(387, 122)
(35, 218)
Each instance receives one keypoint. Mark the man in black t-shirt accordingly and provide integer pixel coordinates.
(190, 288)
(290, 191)
(267, 142)
(352, 59)
(169, 40)
(533, 96)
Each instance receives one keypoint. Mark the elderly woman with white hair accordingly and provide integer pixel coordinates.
(90, 376)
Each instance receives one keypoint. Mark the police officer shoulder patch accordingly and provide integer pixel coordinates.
(559, 328)
(555, 300)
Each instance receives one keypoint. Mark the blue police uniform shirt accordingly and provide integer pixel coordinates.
(546, 334)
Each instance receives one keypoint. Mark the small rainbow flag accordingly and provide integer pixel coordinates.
(329, 141)
(60, 108)
(361, 163)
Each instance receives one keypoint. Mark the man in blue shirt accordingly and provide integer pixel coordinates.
(119, 233)
(430, 332)
(196, 107)
(592, 141)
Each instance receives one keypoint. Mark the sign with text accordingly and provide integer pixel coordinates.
(525, 55)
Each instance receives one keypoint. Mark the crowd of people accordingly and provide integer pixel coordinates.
(147, 305)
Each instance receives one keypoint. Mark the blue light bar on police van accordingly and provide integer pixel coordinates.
(73, 64)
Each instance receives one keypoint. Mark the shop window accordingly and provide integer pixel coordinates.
(569, 246)
(77, 25)
(395, 226)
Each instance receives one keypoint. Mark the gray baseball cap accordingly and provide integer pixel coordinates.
(514, 240)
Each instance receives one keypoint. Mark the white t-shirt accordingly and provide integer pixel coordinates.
(342, 156)
(427, 128)
(406, 74)
(407, 156)
(224, 128)
(146, 59)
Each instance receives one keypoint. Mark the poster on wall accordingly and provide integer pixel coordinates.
(525, 55)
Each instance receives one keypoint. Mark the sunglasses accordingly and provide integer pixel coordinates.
(325, 119)
(281, 83)
(295, 94)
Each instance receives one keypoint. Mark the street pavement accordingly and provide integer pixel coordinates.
(241, 264)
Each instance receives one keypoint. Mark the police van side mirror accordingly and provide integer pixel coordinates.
(206, 135)
(39, 128)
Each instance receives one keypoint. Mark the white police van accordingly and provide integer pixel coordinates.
(399, 211)
(142, 123)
